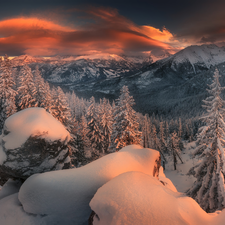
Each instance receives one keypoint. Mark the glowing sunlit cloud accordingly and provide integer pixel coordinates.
(21, 24)
(108, 33)
(157, 34)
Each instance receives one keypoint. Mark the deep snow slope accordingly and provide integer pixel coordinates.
(63, 197)
(120, 187)
(179, 177)
(137, 198)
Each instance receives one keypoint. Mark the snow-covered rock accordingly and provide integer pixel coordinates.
(137, 198)
(67, 193)
(33, 141)
(128, 194)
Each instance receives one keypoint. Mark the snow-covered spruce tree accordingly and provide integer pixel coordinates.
(146, 131)
(94, 131)
(27, 89)
(162, 141)
(174, 148)
(42, 94)
(155, 143)
(60, 108)
(180, 128)
(79, 144)
(209, 189)
(125, 129)
(167, 131)
(105, 115)
(73, 104)
(191, 129)
(61, 111)
(83, 141)
(7, 93)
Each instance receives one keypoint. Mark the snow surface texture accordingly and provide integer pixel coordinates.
(9, 188)
(67, 193)
(179, 177)
(31, 122)
(126, 197)
(137, 198)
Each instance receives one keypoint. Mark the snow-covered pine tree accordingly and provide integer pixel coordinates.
(72, 100)
(82, 132)
(172, 126)
(61, 111)
(180, 128)
(191, 129)
(94, 131)
(146, 131)
(27, 89)
(60, 108)
(105, 113)
(125, 130)
(42, 95)
(162, 141)
(209, 189)
(155, 142)
(79, 156)
(167, 131)
(174, 148)
(7, 93)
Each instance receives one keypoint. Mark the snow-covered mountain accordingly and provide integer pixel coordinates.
(167, 86)
(85, 68)
(172, 86)
(195, 58)
(25, 59)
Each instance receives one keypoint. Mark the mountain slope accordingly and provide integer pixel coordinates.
(173, 86)
(87, 68)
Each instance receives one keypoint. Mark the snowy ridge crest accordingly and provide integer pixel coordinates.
(204, 55)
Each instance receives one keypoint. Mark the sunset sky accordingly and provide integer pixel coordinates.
(47, 28)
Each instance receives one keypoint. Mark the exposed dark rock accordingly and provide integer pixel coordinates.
(91, 218)
(156, 167)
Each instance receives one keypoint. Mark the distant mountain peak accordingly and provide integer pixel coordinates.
(198, 56)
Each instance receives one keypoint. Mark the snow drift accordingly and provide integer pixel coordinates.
(67, 193)
(127, 193)
(137, 198)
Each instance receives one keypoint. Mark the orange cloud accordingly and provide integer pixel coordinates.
(157, 34)
(11, 26)
(110, 32)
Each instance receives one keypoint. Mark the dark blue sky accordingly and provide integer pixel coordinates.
(188, 22)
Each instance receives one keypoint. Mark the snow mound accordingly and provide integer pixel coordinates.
(137, 198)
(9, 188)
(31, 122)
(12, 213)
(165, 181)
(67, 193)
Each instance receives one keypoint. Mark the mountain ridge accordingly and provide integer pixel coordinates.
(166, 86)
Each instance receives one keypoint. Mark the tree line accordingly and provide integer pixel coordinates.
(96, 128)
